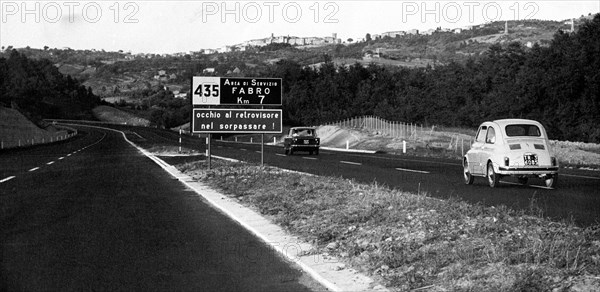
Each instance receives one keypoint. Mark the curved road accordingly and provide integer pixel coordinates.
(92, 213)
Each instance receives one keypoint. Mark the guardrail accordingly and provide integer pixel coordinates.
(410, 132)
(39, 139)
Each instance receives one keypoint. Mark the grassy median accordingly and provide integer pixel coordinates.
(413, 241)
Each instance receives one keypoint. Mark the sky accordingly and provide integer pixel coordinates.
(183, 26)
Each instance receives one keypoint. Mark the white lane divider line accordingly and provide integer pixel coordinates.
(533, 186)
(61, 158)
(50, 162)
(6, 179)
(278, 154)
(68, 154)
(243, 149)
(34, 169)
(412, 170)
(579, 176)
(350, 162)
(257, 151)
(309, 158)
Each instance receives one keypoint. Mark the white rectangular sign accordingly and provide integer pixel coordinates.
(206, 90)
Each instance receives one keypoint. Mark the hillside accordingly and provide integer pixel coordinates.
(441, 77)
(117, 73)
(16, 130)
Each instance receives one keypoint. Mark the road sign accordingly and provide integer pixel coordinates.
(236, 120)
(236, 91)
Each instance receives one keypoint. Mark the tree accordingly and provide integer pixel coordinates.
(350, 40)
(368, 37)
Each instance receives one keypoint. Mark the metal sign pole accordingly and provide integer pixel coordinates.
(262, 146)
(209, 153)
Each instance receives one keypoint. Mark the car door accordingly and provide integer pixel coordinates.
(489, 147)
(474, 152)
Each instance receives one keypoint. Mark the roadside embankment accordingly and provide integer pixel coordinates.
(18, 131)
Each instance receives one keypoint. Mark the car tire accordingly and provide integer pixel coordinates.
(291, 151)
(523, 180)
(551, 181)
(310, 152)
(493, 177)
(466, 173)
(287, 151)
(317, 152)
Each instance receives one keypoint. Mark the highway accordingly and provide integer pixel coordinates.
(92, 213)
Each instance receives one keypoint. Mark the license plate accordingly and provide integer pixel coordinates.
(305, 141)
(530, 159)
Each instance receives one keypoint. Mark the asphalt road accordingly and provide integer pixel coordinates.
(93, 213)
(577, 197)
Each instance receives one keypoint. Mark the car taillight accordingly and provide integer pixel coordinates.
(506, 161)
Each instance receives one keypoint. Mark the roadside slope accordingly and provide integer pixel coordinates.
(16, 130)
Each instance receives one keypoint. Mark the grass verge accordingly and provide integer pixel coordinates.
(412, 241)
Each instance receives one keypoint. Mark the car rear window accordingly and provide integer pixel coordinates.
(523, 130)
(304, 132)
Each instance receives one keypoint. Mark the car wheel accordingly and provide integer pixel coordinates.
(291, 151)
(310, 152)
(493, 177)
(551, 180)
(287, 151)
(467, 174)
(317, 152)
(523, 180)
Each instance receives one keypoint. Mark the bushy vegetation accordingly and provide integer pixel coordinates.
(558, 85)
(39, 90)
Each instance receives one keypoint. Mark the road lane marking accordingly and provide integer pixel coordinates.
(411, 170)
(6, 179)
(580, 176)
(257, 151)
(350, 162)
(61, 158)
(50, 162)
(309, 158)
(533, 186)
(243, 149)
(34, 169)
(68, 154)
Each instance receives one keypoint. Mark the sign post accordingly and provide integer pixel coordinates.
(236, 91)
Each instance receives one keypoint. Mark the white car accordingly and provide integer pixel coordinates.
(511, 147)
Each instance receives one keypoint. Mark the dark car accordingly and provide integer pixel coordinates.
(302, 139)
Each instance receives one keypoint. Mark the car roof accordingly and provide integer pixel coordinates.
(297, 128)
(504, 122)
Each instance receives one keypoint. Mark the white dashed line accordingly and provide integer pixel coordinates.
(350, 162)
(34, 169)
(280, 154)
(243, 149)
(68, 154)
(412, 170)
(309, 158)
(533, 186)
(257, 151)
(580, 176)
(50, 162)
(61, 158)
(6, 179)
